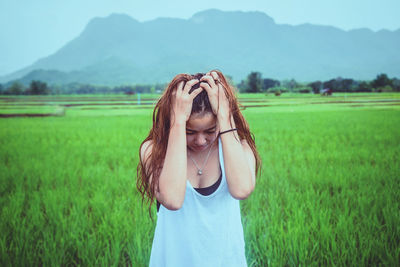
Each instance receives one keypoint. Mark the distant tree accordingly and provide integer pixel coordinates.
(229, 79)
(348, 85)
(303, 89)
(102, 89)
(126, 89)
(254, 82)
(386, 88)
(1, 89)
(269, 83)
(56, 89)
(396, 84)
(242, 86)
(160, 87)
(69, 88)
(364, 87)
(140, 88)
(85, 89)
(16, 88)
(331, 84)
(38, 88)
(341, 85)
(277, 90)
(290, 84)
(381, 81)
(316, 86)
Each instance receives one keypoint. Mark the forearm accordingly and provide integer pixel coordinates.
(172, 180)
(241, 180)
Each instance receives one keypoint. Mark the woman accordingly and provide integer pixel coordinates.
(198, 161)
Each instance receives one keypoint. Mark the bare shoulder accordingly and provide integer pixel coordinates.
(145, 149)
(145, 153)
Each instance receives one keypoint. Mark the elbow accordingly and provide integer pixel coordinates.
(171, 197)
(172, 203)
(242, 193)
(244, 189)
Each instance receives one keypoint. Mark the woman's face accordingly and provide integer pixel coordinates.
(201, 131)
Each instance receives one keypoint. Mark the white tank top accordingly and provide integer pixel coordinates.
(206, 231)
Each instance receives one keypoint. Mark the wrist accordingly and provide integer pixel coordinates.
(178, 118)
(227, 131)
(223, 118)
(177, 130)
(178, 123)
(226, 123)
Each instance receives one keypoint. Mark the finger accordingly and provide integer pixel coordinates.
(209, 79)
(189, 85)
(205, 86)
(215, 76)
(195, 92)
(211, 96)
(179, 88)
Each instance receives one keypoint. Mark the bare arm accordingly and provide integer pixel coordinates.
(172, 181)
(239, 159)
(239, 162)
(171, 188)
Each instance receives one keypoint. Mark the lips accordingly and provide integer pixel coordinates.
(199, 148)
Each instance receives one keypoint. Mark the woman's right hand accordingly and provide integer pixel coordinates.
(182, 101)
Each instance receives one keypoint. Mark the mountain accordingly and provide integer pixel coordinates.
(119, 49)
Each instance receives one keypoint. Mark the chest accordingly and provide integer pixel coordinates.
(211, 171)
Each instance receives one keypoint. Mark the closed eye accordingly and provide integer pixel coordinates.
(206, 131)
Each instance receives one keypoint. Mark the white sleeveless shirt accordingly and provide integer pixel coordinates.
(206, 231)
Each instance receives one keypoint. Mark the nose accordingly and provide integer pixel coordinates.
(200, 140)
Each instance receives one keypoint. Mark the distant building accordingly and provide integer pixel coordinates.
(325, 92)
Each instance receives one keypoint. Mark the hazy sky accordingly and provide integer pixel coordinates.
(32, 29)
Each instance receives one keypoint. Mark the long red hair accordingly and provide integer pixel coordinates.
(148, 171)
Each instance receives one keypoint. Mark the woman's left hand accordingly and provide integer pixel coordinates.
(216, 94)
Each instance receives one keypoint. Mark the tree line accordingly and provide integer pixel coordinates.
(254, 83)
(42, 88)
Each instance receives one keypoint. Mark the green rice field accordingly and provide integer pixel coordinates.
(328, 193)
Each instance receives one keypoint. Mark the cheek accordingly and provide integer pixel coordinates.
(189, 139)
(213, 137)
